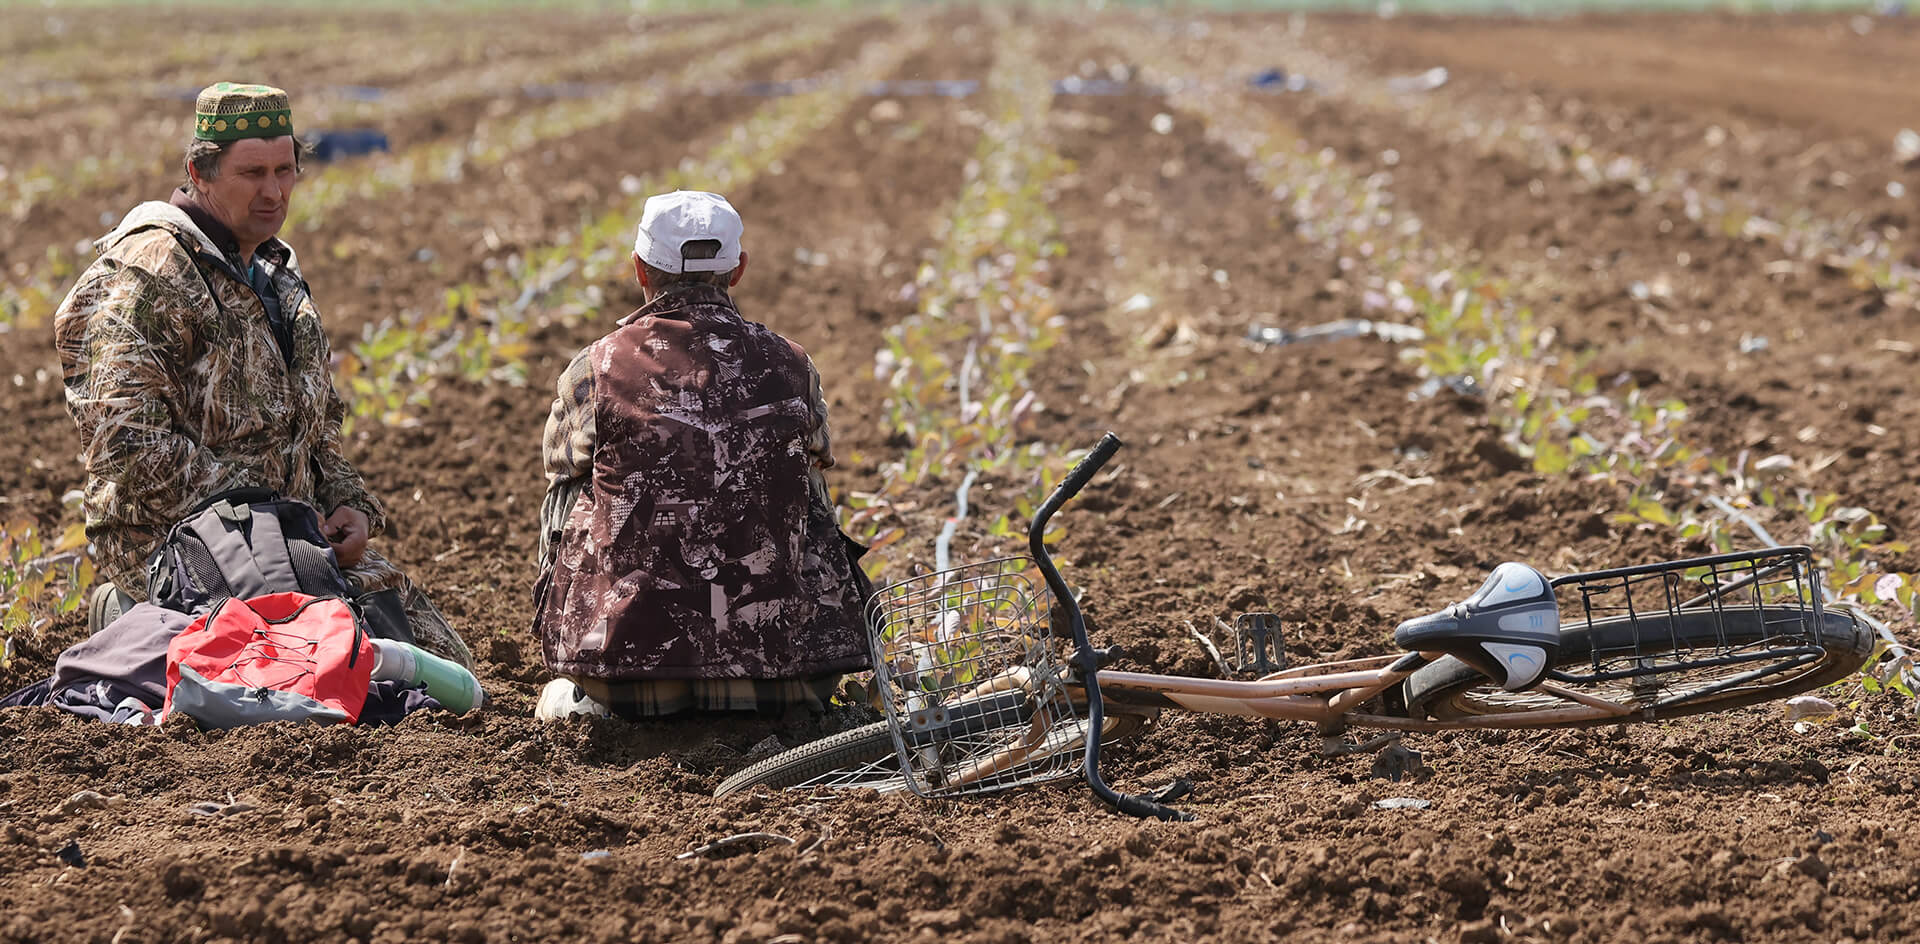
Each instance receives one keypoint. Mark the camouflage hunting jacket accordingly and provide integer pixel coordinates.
(181, 390)
(701, 543)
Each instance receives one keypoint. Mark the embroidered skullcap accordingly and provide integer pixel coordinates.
(228, 111)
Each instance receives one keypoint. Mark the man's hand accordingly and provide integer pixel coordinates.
(347, 529)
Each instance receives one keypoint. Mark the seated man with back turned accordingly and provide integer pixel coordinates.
(689, 554)
(195, 363)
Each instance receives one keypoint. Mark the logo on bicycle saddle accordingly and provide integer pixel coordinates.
(1509, 583)
(1529, 658)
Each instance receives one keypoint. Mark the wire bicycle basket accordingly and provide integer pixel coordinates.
(970, 677)
(1699, 629)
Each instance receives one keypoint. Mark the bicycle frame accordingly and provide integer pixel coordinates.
(1337, 693)
(1333, 696)
(1333, 692)
(983, 692)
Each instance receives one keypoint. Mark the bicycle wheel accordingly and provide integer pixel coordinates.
(1665, 665)
(863, 759)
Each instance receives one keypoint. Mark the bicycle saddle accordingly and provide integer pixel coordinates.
(1509, 629)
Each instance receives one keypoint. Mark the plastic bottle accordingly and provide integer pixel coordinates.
(448, 682)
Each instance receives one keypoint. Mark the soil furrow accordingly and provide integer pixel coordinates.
(380, 60)
(1791, 359)
(827, 202)
(367, 263)
(1298, 478)
(49, 222)
(1784, 169)
(1816, 73)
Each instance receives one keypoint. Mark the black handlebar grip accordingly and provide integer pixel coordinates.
(1083, 471)
(1143, 808)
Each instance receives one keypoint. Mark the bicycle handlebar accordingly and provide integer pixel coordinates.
(1085, 656)
(1082, 471)
(1077, 479)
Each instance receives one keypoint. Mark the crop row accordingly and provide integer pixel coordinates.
(958, 368)
(112, 65)
(1716, 491)
(479, 335)
(580, 71)
(87, 63)
(1853, 244)
(1553, 411)
(69, 113)
(121, 149)
(30, 301)
(493, 144)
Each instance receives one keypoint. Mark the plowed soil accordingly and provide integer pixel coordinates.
(1253, 478)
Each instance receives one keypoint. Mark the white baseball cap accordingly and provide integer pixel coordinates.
(671, 220)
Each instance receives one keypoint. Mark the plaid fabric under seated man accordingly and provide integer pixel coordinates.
(690, 557)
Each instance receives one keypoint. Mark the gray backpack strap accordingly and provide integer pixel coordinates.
(221, 533)
(231, 513)
(273, 557)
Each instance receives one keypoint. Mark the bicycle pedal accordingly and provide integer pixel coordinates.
(1258, 645)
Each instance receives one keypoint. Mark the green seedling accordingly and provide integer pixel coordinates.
(1550, 409)
(958, 368)
(480, 336)
(41, 579)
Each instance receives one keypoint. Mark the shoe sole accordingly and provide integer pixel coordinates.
(103, 607)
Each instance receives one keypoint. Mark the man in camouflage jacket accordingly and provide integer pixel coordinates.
(689, 554)
(195, 362)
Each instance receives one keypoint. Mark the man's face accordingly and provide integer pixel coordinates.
(251, 190)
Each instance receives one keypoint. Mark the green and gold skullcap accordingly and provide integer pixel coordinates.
(227, 111)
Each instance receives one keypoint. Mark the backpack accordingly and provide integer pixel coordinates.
(279, 657)
(250, 542)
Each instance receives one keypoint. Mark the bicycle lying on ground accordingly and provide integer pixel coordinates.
(981, 695)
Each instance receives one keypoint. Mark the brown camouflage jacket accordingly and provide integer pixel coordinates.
(701, 545)
(181, 391)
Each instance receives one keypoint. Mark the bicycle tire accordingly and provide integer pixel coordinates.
(1449, 689)
(848, 749)
(863, 758)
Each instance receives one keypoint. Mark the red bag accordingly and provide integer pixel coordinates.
(284, 656)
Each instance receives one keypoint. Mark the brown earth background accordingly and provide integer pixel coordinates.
(1252, 478)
